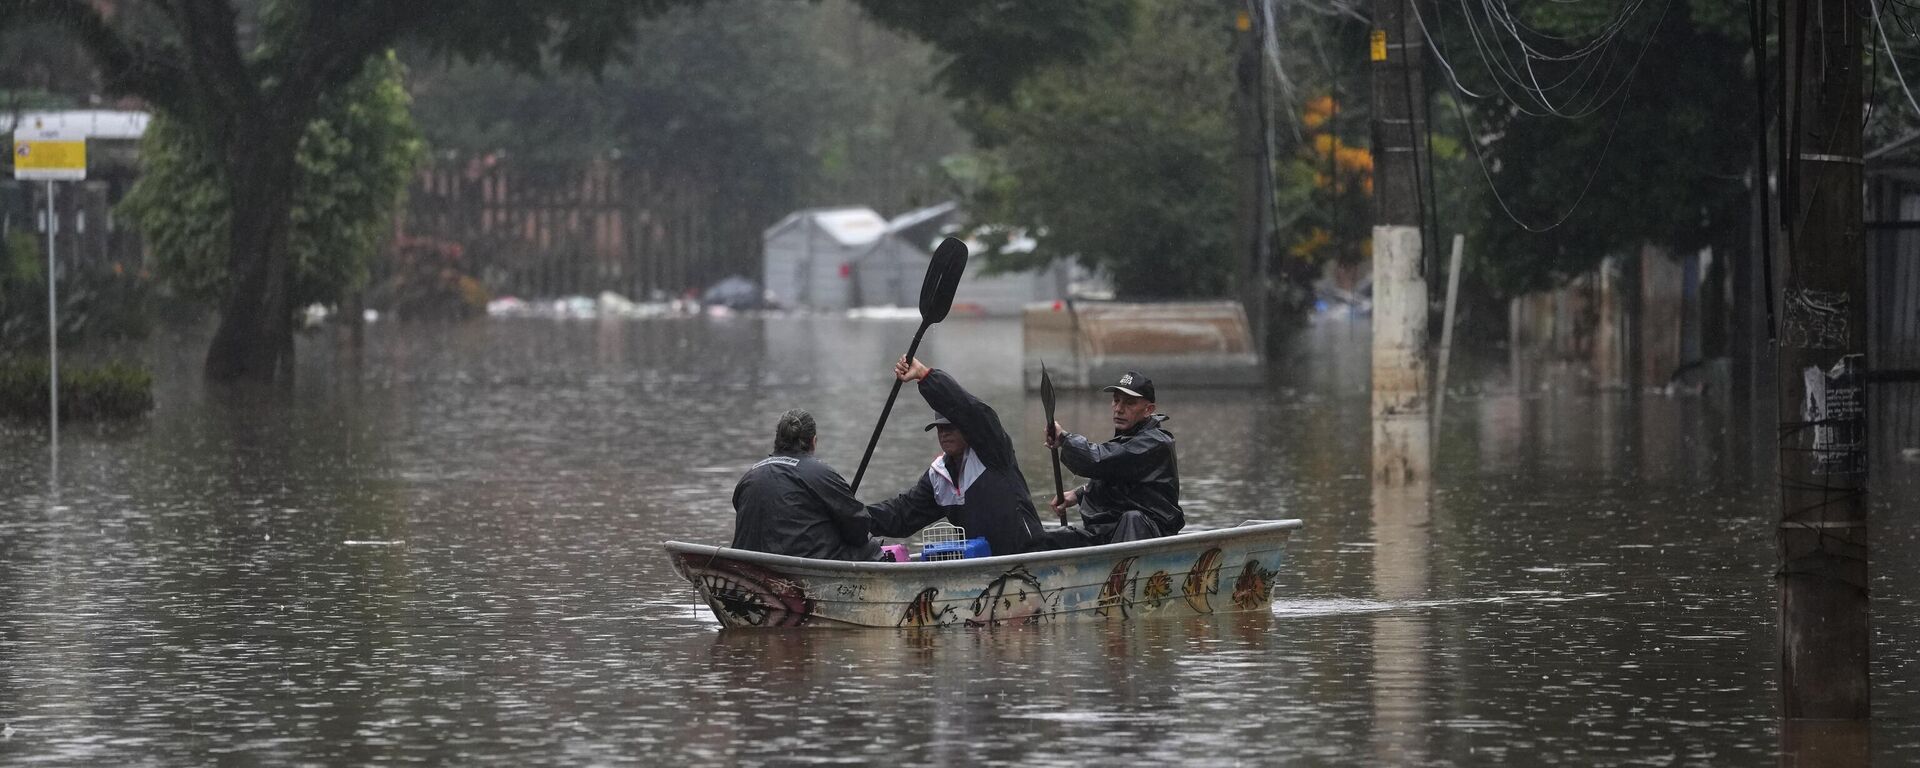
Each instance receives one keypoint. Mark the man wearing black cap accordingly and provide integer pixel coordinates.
(1133, 485)
(793, 504)
(974, 483)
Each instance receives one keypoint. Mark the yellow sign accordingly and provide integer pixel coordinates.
(54, 159)
(1379, 45)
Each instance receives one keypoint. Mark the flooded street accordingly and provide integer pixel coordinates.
(448, 553)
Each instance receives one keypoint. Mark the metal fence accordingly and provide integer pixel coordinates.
(1893, 312)
(90, 234)
(542, 231)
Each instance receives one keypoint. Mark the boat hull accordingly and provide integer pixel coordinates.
(1221, 571)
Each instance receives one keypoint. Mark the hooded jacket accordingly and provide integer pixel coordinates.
(1134, 470)
(792, 504)
(990, 496)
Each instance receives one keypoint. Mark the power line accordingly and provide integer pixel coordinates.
(1892, 60)
(1592, 75)
(1592, 105)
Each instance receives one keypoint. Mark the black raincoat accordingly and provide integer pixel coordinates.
(1134, 470)
(990, 497)
(792, 504)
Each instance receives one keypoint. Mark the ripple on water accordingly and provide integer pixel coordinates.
(449, 553)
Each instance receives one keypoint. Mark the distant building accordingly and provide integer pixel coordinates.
(88, 232)
(841, 258)
(809, 256)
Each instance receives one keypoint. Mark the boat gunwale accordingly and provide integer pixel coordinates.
(1249, 529)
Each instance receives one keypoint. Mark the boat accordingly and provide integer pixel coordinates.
(1205, 572)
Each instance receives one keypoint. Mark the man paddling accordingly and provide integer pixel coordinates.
(1133, 486)
(974, 483)
(792, 504)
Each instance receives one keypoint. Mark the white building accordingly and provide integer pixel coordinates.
(840, 258)
(808, 257)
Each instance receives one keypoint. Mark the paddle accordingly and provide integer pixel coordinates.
(1046, 402)
(936, 299)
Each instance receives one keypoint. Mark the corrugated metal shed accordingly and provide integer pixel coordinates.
(809, 256)
(840, 258)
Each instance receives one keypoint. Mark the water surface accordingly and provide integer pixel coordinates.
(446, 552)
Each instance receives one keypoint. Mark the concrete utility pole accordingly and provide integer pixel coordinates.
(1251, 239)
(1401, 443)
(1822, 366)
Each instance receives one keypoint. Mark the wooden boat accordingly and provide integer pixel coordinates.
(1205, 572)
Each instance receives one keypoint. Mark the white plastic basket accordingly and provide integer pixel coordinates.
(942, 536)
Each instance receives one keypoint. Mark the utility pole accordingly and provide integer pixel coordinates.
(1822, 533)
(1251, 239)
(1401, 442)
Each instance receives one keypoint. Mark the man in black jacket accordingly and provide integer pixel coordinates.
(1133, 486)
(792, 504)
(974, 483)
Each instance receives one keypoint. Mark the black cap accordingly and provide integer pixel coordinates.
(938, 421)
(1133, 383)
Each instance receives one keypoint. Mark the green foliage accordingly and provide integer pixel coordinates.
(1124, 162)
(355, 161)
(23, 262)
(995, 44)
(97, 302)
(42, 71)
(111, 391)
(1329, 182)
(23, 291)
(774, 105)
(430, 280)
(1666, 163)
(245, 79)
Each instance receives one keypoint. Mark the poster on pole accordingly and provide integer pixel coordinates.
(43, 153)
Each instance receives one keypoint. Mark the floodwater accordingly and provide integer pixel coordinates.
(448, 553)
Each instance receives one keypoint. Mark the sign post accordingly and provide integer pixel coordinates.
(50, 153)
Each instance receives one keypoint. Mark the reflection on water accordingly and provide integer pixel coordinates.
(1825, 744)
(1401, 525)
(446, 552)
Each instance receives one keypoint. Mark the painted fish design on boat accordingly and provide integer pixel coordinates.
(1254, 587)
(755, 596)
(1115, 593)
(1014, 598)
(1203, 581)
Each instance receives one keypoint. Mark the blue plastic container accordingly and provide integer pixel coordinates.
(955, 550)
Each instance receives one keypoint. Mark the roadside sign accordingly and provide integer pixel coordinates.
(41, 153)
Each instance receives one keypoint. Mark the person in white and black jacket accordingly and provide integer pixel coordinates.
(1133, 486)
(974, 483)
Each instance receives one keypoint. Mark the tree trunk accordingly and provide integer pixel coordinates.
(254, 342)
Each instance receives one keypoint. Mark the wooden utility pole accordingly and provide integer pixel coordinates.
(1252, 241)
(1822, 532)
(1401, 442)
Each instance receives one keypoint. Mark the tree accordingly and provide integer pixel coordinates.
(1123, 162)
(1665, 161)
(759, 107)
(244, 78)
(355, 160)
(1334, 181)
